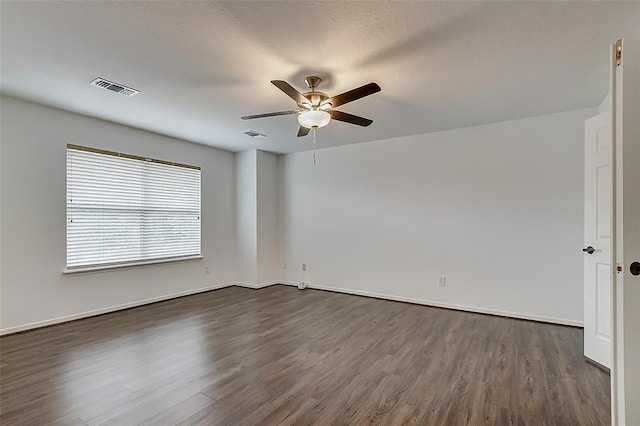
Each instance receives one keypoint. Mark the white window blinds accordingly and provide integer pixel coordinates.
(125, 209)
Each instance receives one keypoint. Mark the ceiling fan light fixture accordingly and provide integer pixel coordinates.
(314, 119)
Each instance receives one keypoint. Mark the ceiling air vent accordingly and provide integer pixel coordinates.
(254, 134)
(114, 87)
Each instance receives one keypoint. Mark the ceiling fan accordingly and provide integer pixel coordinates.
(315, 109)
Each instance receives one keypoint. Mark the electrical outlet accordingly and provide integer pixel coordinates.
(285, 266)
(304, 267)
(207, 270)
(442, 281)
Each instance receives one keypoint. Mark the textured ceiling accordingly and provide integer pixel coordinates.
(202, 65)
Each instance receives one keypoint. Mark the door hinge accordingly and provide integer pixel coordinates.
(618, 53)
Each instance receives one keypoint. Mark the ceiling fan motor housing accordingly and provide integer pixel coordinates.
(318, 100)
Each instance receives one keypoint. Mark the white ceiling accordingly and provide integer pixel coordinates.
(202, 65)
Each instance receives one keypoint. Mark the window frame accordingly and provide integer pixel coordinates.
(140, 261)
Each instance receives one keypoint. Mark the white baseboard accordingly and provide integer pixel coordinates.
(291, 283)
(255, 286)
(109, 309)
(540, 318)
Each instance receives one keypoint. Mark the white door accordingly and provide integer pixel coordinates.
(626, 238)
(597, 239)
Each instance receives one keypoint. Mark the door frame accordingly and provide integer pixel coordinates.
(614, 238)
(622, 250)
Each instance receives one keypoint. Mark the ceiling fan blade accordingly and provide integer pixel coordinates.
(290, 91)
(303, 131)
(355, 94)
(270, 114)
(350, 118)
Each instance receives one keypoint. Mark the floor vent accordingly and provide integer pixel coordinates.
(114, 87)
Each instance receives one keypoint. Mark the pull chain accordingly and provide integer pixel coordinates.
(314, 145)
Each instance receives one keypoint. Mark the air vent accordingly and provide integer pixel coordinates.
(114, 87)
(255, 134)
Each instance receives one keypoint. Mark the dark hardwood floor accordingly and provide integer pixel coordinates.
(284, 356)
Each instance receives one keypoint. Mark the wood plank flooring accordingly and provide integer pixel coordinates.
(283, 356)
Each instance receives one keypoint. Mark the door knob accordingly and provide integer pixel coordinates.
(589, 250)
(635, 268)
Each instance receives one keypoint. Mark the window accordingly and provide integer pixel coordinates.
(124, 209)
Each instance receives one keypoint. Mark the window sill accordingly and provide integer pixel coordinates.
(103, 268)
